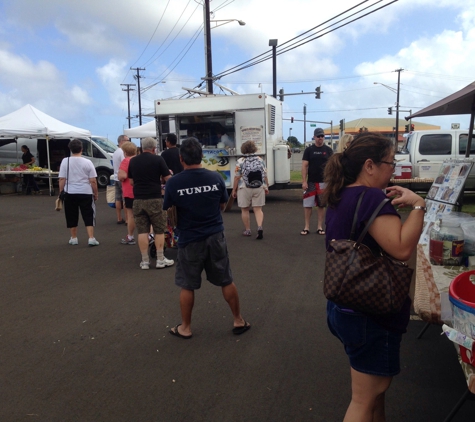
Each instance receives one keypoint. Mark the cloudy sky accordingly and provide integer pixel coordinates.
(69, 58)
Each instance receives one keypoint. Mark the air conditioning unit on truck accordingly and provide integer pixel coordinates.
(424, 152)
(222, 123)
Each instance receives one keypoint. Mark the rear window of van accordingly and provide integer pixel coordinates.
(436, 144)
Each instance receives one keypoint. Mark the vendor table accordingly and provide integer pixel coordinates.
(35, 173)
(431, 303)
(409, 181)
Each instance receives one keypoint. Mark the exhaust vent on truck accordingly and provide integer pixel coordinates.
(271, 118)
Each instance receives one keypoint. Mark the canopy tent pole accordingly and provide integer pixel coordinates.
(51, 191)
(470, 130)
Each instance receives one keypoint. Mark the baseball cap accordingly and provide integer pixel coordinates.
(318, 131)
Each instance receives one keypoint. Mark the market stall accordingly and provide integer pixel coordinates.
(29, 122)
(438, 264)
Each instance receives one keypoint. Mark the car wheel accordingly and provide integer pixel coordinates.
(103, 178)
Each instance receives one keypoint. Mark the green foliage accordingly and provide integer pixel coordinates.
(293, 142)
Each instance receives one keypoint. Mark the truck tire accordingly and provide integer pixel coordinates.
(103, 178)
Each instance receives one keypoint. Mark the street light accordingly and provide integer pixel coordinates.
(387, 86)
(225, 21)
(290, 132)
(207, 33)
(396, 91)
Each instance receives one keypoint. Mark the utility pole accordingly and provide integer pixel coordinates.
(128, 89)
(273, 44)
(397, 106)
(304, 124)
(137, 77)
(208, 56)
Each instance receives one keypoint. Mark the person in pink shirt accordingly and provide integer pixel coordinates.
(130, 150)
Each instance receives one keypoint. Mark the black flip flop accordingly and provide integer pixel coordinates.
(321, 232)
(241, 330)
(304, 232)
(177, 334)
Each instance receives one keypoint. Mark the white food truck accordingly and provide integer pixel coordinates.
(222, 123)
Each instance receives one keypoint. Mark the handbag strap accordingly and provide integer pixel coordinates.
(67, 176)
(355, 217)
(370, 221)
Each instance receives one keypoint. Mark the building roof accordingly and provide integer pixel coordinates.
(382, 125)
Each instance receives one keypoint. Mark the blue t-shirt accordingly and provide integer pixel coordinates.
(197, 195)
(338, 226)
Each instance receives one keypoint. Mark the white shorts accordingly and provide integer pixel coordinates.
(249, 196)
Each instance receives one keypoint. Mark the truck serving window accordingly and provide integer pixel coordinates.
(436, 144)
(463, 145)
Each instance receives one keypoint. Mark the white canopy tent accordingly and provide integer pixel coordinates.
(29, 122)
(143, 131)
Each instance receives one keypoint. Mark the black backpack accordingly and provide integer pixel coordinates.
(253, 172)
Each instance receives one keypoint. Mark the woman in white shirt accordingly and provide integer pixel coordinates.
(77, 177)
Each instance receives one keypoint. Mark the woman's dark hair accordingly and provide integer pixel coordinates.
(25, 147)
(75, 146)
(342, 169)
(191, 151)
(248, 147)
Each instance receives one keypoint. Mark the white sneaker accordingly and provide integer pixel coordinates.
(73, 241)
(129, 240)
(144, 265)
(93, 242)
(164, 263)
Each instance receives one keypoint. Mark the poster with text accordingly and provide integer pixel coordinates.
(252, 133)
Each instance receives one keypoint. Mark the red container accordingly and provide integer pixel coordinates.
(463, 289)
(403, 170)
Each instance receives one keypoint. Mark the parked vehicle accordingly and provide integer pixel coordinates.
(98, 149)
(425, 150)
(237, 119)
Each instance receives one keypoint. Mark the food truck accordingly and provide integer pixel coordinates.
(222, 123)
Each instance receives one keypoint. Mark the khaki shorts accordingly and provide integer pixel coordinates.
(149, 212)
(249, 196)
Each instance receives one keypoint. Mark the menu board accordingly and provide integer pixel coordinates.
(252, 133)
(444, 193)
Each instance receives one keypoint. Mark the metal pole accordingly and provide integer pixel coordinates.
(273, 44)
(397, 107)
(208, 56)
(304, 124)
(138, 69)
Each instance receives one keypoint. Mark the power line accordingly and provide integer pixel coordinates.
(268, 54)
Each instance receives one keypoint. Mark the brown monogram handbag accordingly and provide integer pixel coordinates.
(356, 278)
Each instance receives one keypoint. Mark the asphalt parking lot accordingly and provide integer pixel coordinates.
(84, 332)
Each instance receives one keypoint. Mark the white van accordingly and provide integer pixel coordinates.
(98, 149)
(426, 150)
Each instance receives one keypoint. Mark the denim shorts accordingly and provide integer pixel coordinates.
(371, 349)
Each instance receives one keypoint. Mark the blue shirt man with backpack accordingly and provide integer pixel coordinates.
(250, 187)
(199, 196)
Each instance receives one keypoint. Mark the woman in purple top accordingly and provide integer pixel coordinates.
(371, 342)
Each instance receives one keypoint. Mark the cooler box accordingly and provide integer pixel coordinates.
(403, 170)
(462, 298)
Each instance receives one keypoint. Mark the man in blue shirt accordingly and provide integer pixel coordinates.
(199, 196)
